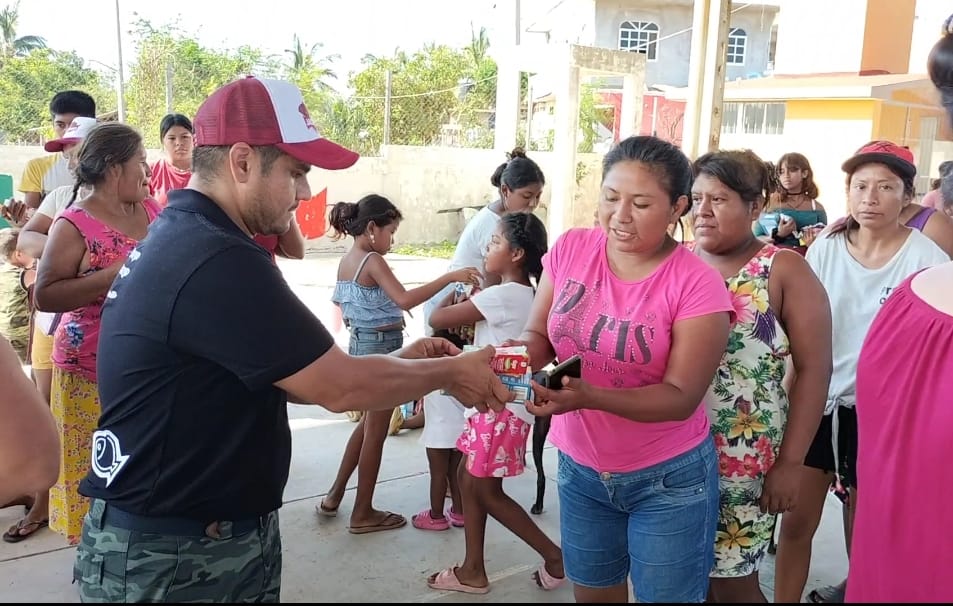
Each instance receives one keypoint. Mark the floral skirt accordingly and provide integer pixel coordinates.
(494, 444)
(747, 442)
(74, 402)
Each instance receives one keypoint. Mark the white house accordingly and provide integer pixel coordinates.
(658, 28)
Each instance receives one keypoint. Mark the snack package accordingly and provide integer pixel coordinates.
(511, 365)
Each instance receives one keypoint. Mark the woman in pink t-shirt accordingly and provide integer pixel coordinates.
(638, 474)
(176, 132)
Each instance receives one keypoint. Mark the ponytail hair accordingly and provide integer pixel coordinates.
(526, 231)
(517, 172)
(352, 218)
(106, 145)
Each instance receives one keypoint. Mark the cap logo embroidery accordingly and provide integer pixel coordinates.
(306, 117)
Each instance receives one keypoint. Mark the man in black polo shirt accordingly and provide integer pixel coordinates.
(201, 341)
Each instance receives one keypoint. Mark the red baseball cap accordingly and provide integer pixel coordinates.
(258, 111)
(898, 158)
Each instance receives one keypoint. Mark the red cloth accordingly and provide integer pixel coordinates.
(164, 179)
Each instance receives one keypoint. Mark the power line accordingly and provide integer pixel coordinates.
(431, 92)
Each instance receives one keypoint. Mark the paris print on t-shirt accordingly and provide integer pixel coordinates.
(608, 343)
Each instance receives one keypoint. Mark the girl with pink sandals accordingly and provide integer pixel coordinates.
(494, 443)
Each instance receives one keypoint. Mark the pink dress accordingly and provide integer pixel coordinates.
(77, 335)
(494, 444)
(901, 549)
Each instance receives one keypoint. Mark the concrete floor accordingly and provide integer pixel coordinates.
(322, 561)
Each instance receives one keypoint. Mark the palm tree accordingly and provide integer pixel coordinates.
(13, 46)
(308, 68)
(479, 44)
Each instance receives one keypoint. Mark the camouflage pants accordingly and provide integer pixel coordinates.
(118, 565)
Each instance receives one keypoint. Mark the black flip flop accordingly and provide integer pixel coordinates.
(14, 535)
(832, 594)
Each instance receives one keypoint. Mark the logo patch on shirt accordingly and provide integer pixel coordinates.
(108, 459)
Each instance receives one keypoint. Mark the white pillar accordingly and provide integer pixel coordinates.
(566, 125)
(713, 88)
(696, 67)
(706, 79)
(631, 106)
(507, 79)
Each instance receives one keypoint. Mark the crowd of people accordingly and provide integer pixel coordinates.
(728, 384)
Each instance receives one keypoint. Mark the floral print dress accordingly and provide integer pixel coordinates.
(748, 407)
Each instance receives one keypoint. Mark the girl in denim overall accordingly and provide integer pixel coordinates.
(372, 303)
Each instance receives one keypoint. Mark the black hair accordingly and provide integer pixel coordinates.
(73, 102)
(669, 164)
(171, 120)
(517, 172)
(108, 144)
(352, 218)
(527, 232)
(940, 66)
(742, 171)
(208, 159)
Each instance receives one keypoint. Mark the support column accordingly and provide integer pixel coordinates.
(507, 116)
(566, 127)
(706, 78)
(713, 87)
(631, 107)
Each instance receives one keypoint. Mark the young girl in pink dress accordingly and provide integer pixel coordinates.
(494, 443)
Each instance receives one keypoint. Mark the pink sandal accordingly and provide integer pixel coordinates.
(446, 580)
(456, 519)
(424, 521)
(547, 581)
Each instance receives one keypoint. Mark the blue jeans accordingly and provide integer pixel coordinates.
(367, 341)
(657, 524)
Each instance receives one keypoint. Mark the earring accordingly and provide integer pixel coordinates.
(372, 238)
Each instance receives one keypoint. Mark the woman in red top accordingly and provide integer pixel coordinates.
(174, 171)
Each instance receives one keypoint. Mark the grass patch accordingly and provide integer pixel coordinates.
(436, 250)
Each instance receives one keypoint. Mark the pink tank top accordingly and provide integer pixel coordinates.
(77, 334)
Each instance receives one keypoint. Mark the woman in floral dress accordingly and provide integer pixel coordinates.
(87, 247)
(761, 429)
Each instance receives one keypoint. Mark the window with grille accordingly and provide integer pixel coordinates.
(753, 118)
(737, 44)
(639, 37)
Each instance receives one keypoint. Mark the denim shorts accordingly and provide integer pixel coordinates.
(656, 524)
(367, 341)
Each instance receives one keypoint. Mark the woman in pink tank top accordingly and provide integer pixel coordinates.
(901, 547)
(87, 246)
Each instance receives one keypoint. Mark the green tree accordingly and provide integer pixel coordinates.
(13, 45)
(309, 69)
(196, 72)
(430, 88)
(591, 116)
(28, 83)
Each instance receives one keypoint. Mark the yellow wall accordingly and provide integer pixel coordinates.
(887, 35)
(829, 109)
